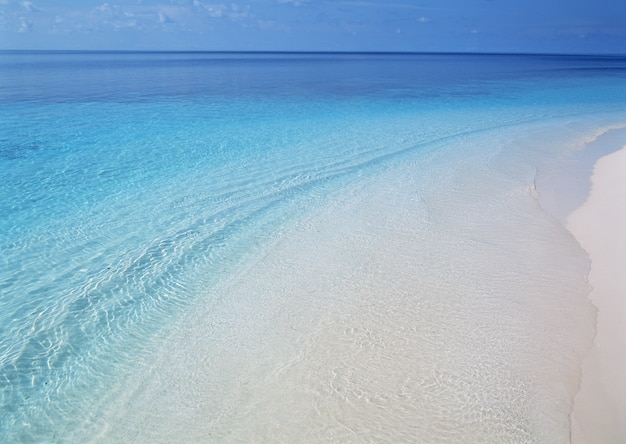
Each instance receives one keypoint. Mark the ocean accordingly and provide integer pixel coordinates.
(285, 247)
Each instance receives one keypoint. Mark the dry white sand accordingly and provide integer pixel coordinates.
(599, 414)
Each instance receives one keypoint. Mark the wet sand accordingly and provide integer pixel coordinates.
(424, 303)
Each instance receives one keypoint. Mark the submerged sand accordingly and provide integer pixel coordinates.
(599, 414)
(437, 302)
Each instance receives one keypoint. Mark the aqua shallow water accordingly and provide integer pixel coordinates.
(137, 187)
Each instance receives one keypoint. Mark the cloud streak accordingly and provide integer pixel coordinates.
(312, 24)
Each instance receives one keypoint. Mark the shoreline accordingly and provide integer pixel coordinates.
(413, 304)
(599, 409)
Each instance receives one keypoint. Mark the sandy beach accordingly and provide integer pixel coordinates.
(599, 413)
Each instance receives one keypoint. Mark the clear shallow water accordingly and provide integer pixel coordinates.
(136, 187)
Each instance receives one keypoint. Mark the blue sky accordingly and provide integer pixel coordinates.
(565, 26)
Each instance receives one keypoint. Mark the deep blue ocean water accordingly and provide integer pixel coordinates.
(135, 183)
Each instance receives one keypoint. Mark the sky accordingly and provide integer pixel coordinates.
(543, 26)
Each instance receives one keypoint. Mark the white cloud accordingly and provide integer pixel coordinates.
(216, 10)
(238, 12)
(105, 7)
(29, 6)
(164, 18)
(423, 19)
(294, 2)
(116, 17)
(25, 25)
(378, 5)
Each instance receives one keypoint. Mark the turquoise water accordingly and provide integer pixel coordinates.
(136, 187)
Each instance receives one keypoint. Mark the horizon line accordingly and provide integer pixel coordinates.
(316, 52)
